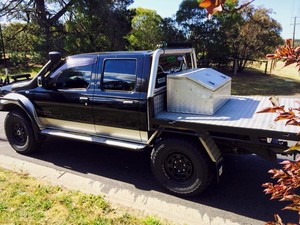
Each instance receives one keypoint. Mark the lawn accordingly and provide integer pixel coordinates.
(31, 70)
(253, 81)
(25, 200)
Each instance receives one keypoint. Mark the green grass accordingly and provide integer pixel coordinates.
(31, 70)
(25, 200)
(253, 81)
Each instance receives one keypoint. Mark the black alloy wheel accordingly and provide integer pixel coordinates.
(19, 132)
(181, 166)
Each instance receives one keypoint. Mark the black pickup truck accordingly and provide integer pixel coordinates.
(144, 100)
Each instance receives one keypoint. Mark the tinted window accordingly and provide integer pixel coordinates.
(74, 73)
(175, 63)
(119, 74)
(169, 64)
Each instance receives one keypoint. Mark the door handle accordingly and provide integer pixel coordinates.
(84, 99)
(127, 102)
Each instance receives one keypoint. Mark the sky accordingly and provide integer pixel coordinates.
(284, 11)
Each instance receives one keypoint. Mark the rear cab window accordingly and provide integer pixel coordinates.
(119, 75)
(170, 64)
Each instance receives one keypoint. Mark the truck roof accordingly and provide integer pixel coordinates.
(114, 53)
(178, 48)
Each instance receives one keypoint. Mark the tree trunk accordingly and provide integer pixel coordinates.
(46, 21)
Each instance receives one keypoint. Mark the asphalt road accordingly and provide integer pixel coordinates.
(237, 199)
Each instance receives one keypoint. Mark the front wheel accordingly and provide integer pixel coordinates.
(181, 166)
(19, 132)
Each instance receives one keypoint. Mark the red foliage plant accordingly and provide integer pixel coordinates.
(287, 53)
(288, 178)
(287, 183)
(214, 6)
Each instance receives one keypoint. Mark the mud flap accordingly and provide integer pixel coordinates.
(212, 150)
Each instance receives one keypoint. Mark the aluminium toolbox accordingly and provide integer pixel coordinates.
(197, 91)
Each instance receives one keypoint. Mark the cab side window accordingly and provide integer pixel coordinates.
(73, 74)
(119, 74)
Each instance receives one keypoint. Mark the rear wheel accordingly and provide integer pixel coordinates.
(19, 132)
(181, 166)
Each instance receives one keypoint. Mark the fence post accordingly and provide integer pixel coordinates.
(271, 67)
(266, 67)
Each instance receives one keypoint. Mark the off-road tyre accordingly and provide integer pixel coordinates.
(19, 132)
(181, 166)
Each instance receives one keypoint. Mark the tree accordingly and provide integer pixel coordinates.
(146, 30)
(71, 26)
(205, 35)
(170, 31)
(98, 26)
(44, 14)
(17, 44)
(243, 34)
(252, 35)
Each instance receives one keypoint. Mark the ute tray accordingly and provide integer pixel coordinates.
(237, 116)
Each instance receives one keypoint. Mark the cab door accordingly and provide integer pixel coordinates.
(117, 98)
(62, 103)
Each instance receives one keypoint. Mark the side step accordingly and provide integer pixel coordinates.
(95, 139)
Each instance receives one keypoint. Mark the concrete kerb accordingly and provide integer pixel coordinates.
(174, 213)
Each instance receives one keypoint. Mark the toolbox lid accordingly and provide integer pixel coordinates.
(209, 78)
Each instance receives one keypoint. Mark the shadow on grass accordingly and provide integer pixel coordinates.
(254, 82)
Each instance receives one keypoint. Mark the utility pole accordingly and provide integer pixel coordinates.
(294, 30)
